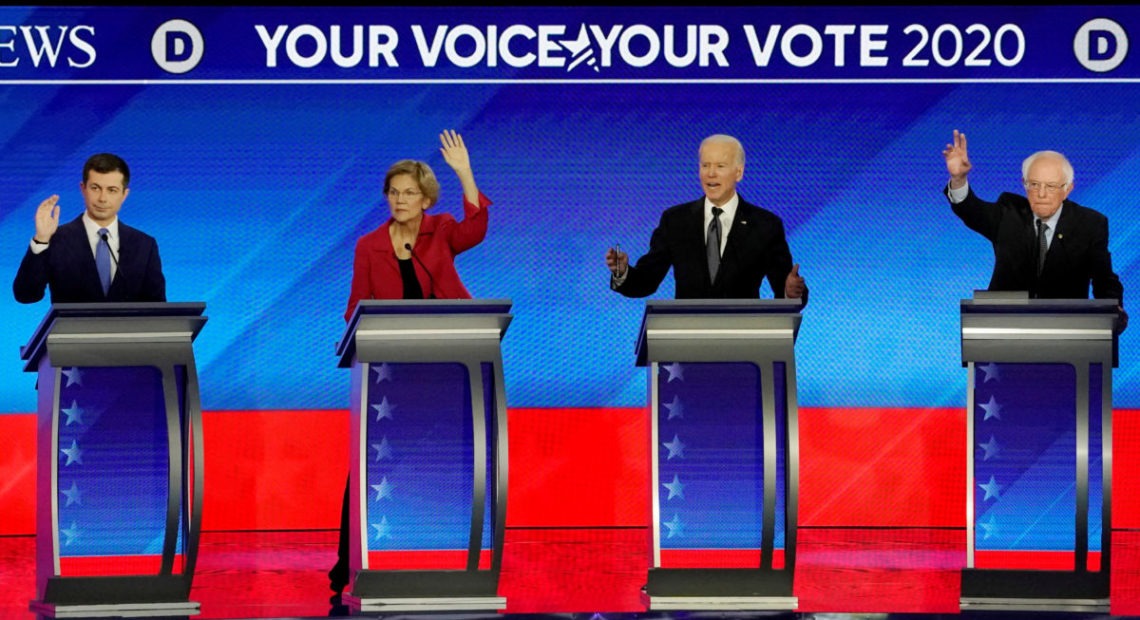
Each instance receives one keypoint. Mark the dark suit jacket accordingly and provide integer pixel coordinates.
(756, 248)
(1077, 256)
(67, 268)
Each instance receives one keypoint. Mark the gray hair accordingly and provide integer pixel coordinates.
(1066, 167)
(726, 139)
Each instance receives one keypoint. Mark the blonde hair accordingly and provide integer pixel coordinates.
(420, 172)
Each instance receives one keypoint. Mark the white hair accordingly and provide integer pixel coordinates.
(1066, 167)
(726, 139)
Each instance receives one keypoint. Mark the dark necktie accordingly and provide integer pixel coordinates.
(1042, 245)
(712, 243)
(103, 260)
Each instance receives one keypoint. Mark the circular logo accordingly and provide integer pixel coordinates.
(1100, 45)
(177, 46)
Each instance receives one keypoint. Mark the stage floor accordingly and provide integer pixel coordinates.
(283, 575)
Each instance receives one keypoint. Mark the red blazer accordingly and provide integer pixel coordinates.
(376, 272)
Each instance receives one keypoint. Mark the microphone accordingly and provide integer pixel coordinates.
(104, 237)
(431, 280)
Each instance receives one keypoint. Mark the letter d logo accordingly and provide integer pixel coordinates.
(177, 46)
(1100, 45)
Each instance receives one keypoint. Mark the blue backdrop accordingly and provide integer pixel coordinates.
(257, 180)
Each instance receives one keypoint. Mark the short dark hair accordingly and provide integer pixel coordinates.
(107, 162)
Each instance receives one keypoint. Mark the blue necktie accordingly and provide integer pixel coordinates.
(103, 260)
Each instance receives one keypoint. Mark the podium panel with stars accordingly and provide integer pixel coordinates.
(119, 484)
(724, 459)
(428, 454)
(1039, 426)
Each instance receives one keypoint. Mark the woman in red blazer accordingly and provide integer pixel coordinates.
(412, 255)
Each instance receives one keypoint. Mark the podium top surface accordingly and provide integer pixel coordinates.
(404, 310)
(703, 314)
(723, 306)
(124, 315)
(1023, 305)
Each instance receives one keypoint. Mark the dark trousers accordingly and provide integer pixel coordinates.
(338, 575)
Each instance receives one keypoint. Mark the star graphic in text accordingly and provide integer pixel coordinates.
(384, 410)
(992, 489)
(676, 448)
(74, 414)
(676, 527)
(676, 409)
(73, 454)
(991, 371)
(73, 495)
(992, 409)
(383, 450)
(675, 372)
(383, 371)
(382, 529)
(991, 448)
(74, 377)
(676, 488)
(384, 489)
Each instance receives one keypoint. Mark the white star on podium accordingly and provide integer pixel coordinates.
(74, 376)
(382, 529)
(74, 414)
(675, 372)
(676, 489)
(73, 454)
(676, 409)
(992, 409)
(991, 448)
(73, 495)
(384, 410)
(71, 533)
(383, 450)
(383, 371)
(992, 489)
(384, 489)
(676, 527)
(991, 371)
(676, 448)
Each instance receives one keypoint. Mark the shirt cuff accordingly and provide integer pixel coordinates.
(958, 195)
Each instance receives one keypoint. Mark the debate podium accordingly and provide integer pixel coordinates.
(428, 454)
(119, 445)
(1039, 457)
(725, 452)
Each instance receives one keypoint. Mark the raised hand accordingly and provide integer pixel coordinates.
(455, 154)
(957, 160)
(454, 151)
(47, 218)
(794, 285)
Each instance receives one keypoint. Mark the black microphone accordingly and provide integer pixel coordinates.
(105, 237)
(431, 280)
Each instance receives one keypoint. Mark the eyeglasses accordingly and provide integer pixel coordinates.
(1050, 188)
(408, 194)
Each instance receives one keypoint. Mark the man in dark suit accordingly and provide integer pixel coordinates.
(94, 257)
(1043, 243)
(719, 246)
